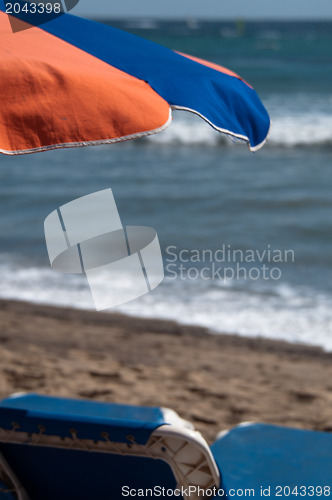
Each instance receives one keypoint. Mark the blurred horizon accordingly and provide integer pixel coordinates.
(189, 19)
(210, 9)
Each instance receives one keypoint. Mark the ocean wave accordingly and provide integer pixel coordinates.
(187, 131)
(288, 130)
(307, 129)
(282, 311)
(44, 286)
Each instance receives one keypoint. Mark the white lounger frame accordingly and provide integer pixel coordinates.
(184, 449)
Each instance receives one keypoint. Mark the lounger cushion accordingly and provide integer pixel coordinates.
(285, 462)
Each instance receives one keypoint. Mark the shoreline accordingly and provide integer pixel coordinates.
(215, 381)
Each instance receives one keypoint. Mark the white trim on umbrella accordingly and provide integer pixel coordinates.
(223, 130)
(91, 143)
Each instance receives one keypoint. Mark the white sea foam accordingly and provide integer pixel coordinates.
(284, 312)
(44, 286)
(300, 124)
(304, 130)
(187, 129)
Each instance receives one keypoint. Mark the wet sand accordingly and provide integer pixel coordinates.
(215, 381)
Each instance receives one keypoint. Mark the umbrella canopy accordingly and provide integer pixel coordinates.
(74, 82)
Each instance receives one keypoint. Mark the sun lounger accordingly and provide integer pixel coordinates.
(63, 449)
(275, 462)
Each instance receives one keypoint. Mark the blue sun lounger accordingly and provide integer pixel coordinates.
(268, 461)
(63, 449)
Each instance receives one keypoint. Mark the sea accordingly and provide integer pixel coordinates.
(246, 237)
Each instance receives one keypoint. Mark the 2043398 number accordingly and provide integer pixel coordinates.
(33, 8)
(302, 491)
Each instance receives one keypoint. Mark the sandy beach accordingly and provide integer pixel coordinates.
(215, 381)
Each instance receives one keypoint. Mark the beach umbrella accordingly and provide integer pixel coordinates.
(74, 82)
